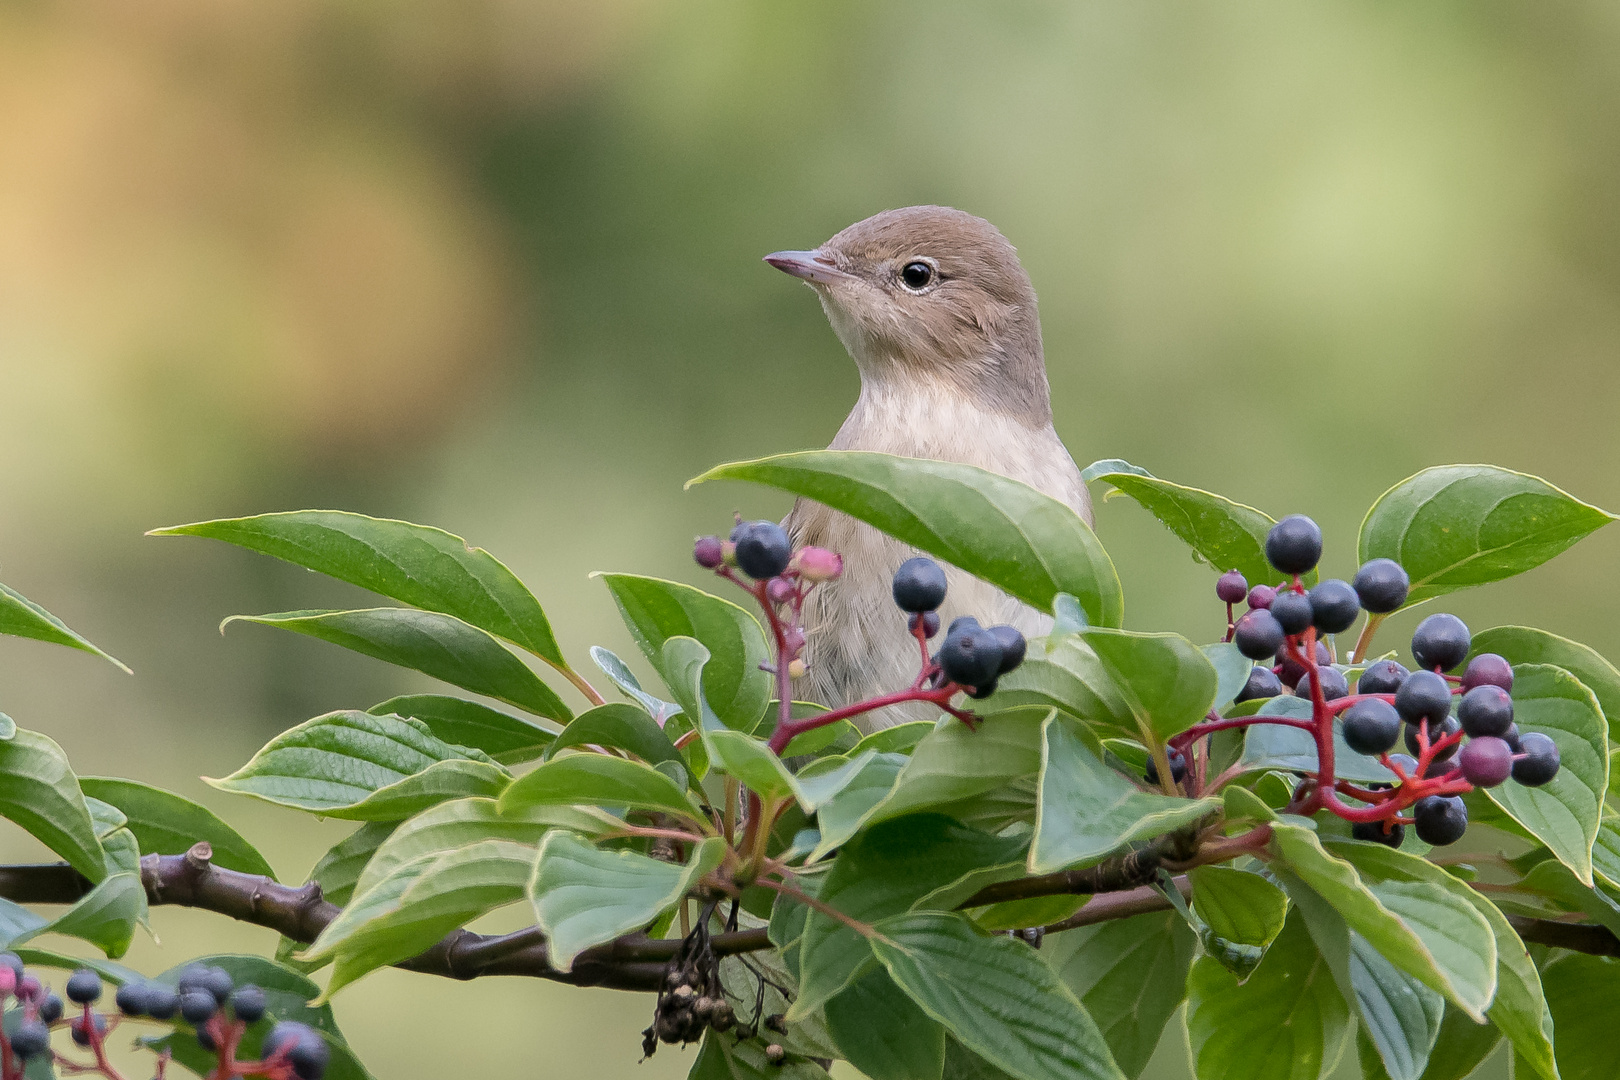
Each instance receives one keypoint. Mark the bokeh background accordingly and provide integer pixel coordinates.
(494, 265)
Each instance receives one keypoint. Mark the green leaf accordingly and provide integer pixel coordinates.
(953, 764)
(1225, 534)
(1583, 995)
(417, 904)
(1028, 544)
(21, 617)
(507, 739)
(623, 727)
(1424, 930)
(8, 727)
(845, 813)
(1563, 813)
(625, 679)
(723, 1058)
(899, 739)
(355, 765)
(883, 1033)
(438, 645)
(1398, 1014)
(1087, 810)
(168, 824)
(1065, 672)
(340, 868)
(1287, 1021)
(583, 896)
(883, 872)
(995, 995)
(107, 915)
(1460, 1048)
(1130, 976)
(17, 923)
(1239, 906)
(414, 564)
(1455, 526)
(39, 792)
(1166, 682)
(597, 779)
(1606, 849)
(655, 610)
(1527, 645)
(1231, 670)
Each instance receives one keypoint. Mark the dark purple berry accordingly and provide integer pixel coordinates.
(919, 585)
(1292, 673)
(1436, 732)
(198, 1006)
(83, 987)
(1488, 669)
(1440, 819)
(248, 1003)
(971, 656)
(301, 1046)
(709, 552)
(1486, 761)
(978, 693)
(763, 550)
(1424, 696)
(1511, 737)
(1381, 585)
(1485, 710)
(1012, 645)
(1371, 727)
(30, 1039)
(1232, 587)
(1260, 597)
(1440, 642)
(1540, 761)
(81, 1032)
(1333, 683)
(1292, 611)
(1257, 634)
(1334, 606)
(161, 1001)
(1263, 683)
(131, 999)
(1375, 831)
(927, 620)
(1178, 766)
(51, 1008)
(1294, 545)
(1382, 677)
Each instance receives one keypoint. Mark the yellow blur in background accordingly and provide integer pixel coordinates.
(494, 265)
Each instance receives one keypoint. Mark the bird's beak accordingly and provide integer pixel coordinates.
(813, 266)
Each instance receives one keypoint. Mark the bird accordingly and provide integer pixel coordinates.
(940, 318)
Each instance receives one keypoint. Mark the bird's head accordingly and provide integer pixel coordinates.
(933, 296)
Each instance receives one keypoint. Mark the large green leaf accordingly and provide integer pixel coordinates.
(438, 645)
(340, 868)
(168, 824)
(1166, 682)
(21, 617)
(655, 610)
(1238, 906)
(1458, 1050)
(1422, 929)
(995, 995)
(414, 564)
(954, 765)
(882, 872)
(623, 727)
(583, 896)
(1399, 1015)
(1130, 975)
(1454, 526)
(418, 903)
(507, 739)
(1287, 1021)
(883, 1033)
(1087, 810)
(600, 780)
(1527, 645)
(1065, 672)
(39, 792)
(334, 764)
(845, 813)
(1028, 544)
(108, 914)
(1564, 813)
(1225, 534)
(1583, 995)
(1231, 670)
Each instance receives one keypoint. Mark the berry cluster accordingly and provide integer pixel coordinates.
(1448, 753)
(691, 998)
(218, 1011)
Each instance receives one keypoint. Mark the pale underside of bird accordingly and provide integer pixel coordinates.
(940, 318)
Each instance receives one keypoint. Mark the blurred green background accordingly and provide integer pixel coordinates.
(494, 265)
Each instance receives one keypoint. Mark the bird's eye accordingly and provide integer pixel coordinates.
(917, 275)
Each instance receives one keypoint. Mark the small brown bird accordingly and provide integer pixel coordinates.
(940, 318)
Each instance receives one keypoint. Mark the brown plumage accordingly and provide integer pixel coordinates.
(940, 318)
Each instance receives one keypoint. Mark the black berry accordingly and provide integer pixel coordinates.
(1511, 737)
(763, 549)
(1292, 673)
(1263, 683)
(1333, 683)
(1371, 727)
(927, 621)
(919, 585)
(708, 551)
(301, 1046)
(248, 1003)
(1012, 645)
(1424, 696)
(1294, 545)
(1440, 819)
(1232, 587)
(1488, 669)
(1178, 766)
(1440, 642)
(161, 1001)
(979, 692)
(1540, 761)
(1292, 611)
(1374, 831)
(1381, 585)
(51, 1008)
(30, 1039)
(970, 656)
(1382, 677)
(1257, 634)
(1261, 596)
(83, 987)
(1485, 710)
(1436, 732)
(1334, 606)
(198, 1006)
(81, 1032)
(1486, 761)
(131, 999)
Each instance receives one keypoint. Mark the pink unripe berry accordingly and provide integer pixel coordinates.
(1232, 587)
(29, 987)
(1487, 761)
(792, 640)
(1261, 596)
(817, 564)
(8, 981)
(709, 552)
(779, 590)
